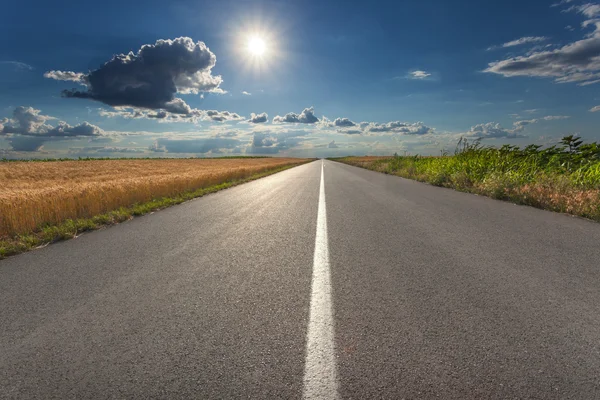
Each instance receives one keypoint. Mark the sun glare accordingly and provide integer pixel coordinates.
(257, 46)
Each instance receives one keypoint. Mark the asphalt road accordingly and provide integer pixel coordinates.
(405, 291)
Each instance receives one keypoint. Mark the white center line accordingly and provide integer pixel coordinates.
(320, 380)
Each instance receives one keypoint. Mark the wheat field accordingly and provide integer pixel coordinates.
(36, 194)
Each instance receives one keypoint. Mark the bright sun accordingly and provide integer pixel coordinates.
(256, 46)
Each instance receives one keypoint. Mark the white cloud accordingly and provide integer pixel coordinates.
(221, 116)
(18, 65)
(66, 76)
(590, 10)
(246, 93)
(419, 74)
(398, 127)
(561, 2)
(555, 117)
(307, 116)
(577, 62)
(28, 130)
(492, 130)
(595, 109)
(525, 40)
(520, 42)
(193, 115)
(258, 118)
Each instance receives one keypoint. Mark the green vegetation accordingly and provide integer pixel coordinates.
(71, 228)
(563, 178)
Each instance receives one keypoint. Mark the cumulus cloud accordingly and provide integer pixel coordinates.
(200, 145)
(123, 113)
(404, 128)
(268, 142)
(26, 143)
(66, 76)
(157, 148)
(192, 115)
(28, 121)
(246, 93)
(577, 62)
(595, 109)
(419, 74)
(119, 150)
(258, 118)
(493, 130)
(149, 78)
(332, 145)
(27, 130)
(307, 116)
(222, 116)
(343, 122)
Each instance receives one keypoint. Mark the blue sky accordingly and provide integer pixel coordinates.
(335, 78)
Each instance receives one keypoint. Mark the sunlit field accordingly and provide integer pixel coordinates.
(38, 194)
(563, 178)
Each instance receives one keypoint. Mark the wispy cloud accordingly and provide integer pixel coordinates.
(17, 65)
(589, 10)
(520, 42)
(246, 93)
(577, 62)
(595, 109)
(561, 2)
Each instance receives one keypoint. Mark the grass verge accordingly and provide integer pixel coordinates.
(71, 228)
(563, 178)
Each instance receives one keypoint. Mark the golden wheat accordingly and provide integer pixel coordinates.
(34, 194)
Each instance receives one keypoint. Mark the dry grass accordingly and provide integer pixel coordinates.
(38, 194)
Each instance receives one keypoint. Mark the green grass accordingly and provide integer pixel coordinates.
(563, 178)
(71, 228)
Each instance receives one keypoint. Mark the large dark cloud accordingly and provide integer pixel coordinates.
(307, 116)
(149, 78)
(576, 62)
(27, 130)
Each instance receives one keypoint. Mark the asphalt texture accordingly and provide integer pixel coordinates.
(435, 294)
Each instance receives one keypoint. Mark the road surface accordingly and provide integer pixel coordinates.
(323, 281)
